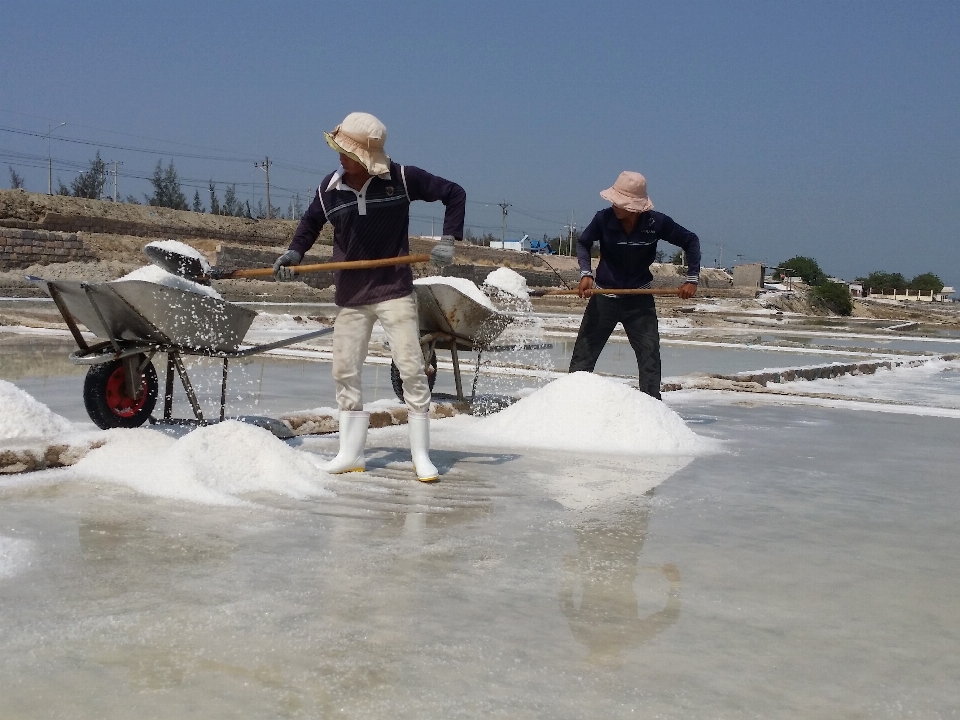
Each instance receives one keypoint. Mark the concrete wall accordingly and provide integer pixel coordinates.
(21, 248)
(750, 275)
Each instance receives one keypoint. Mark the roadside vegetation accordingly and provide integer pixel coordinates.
(835, 295)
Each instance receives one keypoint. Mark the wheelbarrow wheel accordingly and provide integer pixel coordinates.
(397, 381)
(107, 401)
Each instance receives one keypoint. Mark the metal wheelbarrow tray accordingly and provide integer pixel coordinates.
(138, 320)
(451, 320)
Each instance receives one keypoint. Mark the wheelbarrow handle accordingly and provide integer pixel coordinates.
(320, 267)
(608, 291)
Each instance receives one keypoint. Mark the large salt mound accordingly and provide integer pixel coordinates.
(215, 465)
(21, 416)
(583, 412)
(465, 286)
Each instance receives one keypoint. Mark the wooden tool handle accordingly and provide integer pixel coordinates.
(609, 291)
(344, 265)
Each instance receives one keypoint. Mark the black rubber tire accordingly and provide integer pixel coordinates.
(110, 408)
(397, 381)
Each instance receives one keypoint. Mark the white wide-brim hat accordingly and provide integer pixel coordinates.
(362, 137)
(629, 192)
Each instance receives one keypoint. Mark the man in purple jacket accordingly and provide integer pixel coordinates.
(368, 203)
(627, 234)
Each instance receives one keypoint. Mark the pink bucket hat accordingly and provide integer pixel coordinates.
(629, 192)
(362, 137)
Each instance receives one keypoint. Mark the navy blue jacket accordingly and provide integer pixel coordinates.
(625, 259)
(381, 232)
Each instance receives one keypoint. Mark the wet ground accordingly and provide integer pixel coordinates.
(788, 577)
(808, 570)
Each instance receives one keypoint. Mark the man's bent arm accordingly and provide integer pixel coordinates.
(681, 237)
(421, 185)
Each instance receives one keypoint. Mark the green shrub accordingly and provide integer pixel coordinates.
(835, 297)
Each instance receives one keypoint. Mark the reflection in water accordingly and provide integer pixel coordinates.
(598, 597)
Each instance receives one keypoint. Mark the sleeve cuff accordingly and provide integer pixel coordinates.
(586, 273)
(695, 279)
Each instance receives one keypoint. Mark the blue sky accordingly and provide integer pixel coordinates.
(828, 129)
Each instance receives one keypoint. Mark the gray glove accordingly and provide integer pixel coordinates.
(283, 267)
(442, 253)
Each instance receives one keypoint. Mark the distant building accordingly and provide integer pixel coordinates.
(521, 245)
(749, 275)
(913, 295)
(856, 289)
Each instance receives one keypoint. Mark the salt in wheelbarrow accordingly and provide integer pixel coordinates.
(139, 320)
(451, 320)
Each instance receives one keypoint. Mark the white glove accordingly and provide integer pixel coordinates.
(442, 253)
(283, 267)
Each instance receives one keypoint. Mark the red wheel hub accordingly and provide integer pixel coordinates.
(119, 402)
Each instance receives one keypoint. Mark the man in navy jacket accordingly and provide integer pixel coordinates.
(627, 234)
(368, 203)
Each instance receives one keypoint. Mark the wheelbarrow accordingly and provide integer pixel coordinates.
(139, 320)
(451, 320)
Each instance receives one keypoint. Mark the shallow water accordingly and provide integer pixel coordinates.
(808, 572)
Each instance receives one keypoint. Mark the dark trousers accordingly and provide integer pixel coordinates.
(638, 314)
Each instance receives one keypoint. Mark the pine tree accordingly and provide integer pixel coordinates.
(197, 207)
(166, 188)
(231, 206)
(16, 180)
(214, 201)
(90, 184)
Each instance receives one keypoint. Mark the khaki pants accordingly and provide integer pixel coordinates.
(351, 338)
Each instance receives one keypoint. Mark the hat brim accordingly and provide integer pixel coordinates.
(627, 202)
(376, 162)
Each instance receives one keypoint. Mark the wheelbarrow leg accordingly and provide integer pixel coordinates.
(456, 370)
(191, 395)
(168, 390)
(133, 377)
(223, 391)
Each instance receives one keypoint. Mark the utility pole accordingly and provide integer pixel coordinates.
(721, 256)
(570, 230)
(265, 166)
(503, 227)
(115, 165)
(50, 158)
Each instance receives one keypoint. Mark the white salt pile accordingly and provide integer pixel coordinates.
(214, 465)
(159, 276)
(587, 413)
(22, 416)
(509, 281)
(465, 286)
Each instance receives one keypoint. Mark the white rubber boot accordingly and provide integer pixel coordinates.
(419, 424)
(353, 438)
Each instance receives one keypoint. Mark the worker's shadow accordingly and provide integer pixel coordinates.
(598, 592)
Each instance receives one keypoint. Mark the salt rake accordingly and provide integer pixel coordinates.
(192, 268)
(608, 291)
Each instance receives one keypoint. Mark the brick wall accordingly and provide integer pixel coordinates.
(21, 248)
(257, 234)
